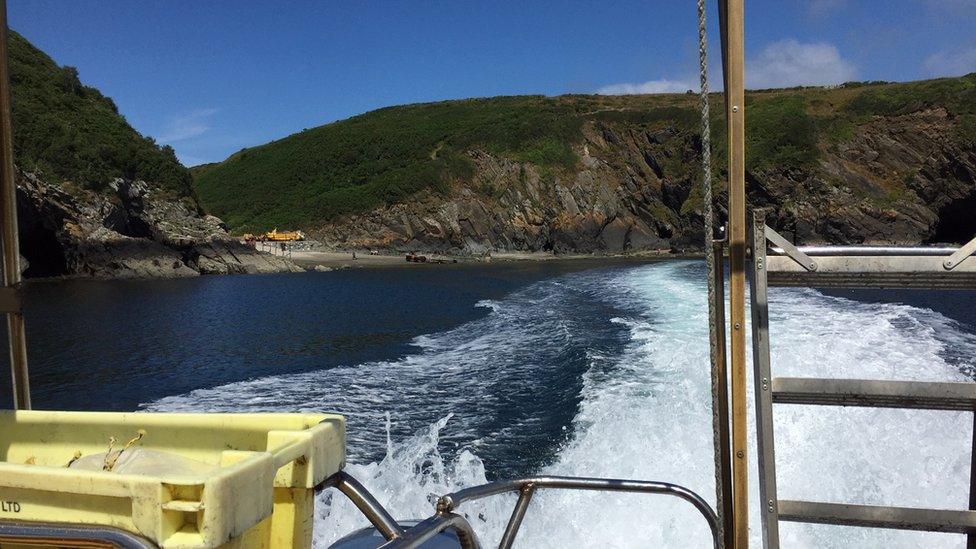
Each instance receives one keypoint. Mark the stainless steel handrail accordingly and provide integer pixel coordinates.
(15, 532)
(429, 528)
(527, 487)
(365, 502)
(446, 519)
(871, 251)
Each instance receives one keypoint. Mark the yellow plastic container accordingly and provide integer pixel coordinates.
(259, 493)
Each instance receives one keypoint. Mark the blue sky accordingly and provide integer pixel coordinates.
(211, 77)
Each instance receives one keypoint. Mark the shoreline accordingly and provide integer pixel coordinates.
(326, 261)
(333, 260)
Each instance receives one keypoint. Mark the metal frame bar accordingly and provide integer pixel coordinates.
(870, 266)
(365, 502)
(971, 538)
(789, 249)
(733, 42)
(720, 396)
(919, 395)
(873, 516)
(765, 446)
(16, 332)
(528, 486)
(54, 534)
(868, 251)
(427, 529)
(874, 271)
(856, 267)
(960, 255)
(518, 513)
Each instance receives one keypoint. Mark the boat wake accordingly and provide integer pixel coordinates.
(605, 373)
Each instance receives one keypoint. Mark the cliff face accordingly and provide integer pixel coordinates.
(871, 163)
(902, 179)
(614, 202)
(136, 231)
(77, 215)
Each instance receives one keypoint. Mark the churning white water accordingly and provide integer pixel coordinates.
(644, 413)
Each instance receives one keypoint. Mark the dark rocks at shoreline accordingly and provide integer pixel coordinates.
(137, 231)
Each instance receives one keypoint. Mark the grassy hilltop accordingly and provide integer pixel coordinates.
(66, 131)
(386, 156)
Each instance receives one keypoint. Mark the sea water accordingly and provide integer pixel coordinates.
(604, 372)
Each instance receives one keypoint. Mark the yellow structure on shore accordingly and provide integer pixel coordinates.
(284, 236)
(275, 235)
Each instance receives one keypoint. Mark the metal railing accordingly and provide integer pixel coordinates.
(850, 267)
(870, 251)
(928, 267)
(429, 528)
(365, 502)
(446, 519)
(59, 534)
(528, 486)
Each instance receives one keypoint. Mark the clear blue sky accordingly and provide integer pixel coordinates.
(210, 77)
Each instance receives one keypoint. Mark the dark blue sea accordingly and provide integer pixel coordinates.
(450, 375)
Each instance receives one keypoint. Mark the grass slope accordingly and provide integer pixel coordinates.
(71, 132)
(387, 155)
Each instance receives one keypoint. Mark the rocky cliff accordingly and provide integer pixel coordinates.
(897, 180)
(85, 208)
(875, 163)
(135, 231)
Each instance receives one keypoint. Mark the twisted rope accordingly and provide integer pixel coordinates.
(706, 160)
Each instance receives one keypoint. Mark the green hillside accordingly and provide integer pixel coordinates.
(387, 155)
(68, 131)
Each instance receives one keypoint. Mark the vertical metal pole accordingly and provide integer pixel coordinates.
(762, 380)
(735, 112)
(716, 304)
(8, 228)
(722, 393)
(971, 538)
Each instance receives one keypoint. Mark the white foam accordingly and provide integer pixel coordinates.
(489, 304)
(417, 460)
(645, 414)
(651, 419)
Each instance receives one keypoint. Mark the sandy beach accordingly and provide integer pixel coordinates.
(343, 260)
(311, 259)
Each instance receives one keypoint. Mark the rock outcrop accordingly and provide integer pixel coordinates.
(896, 180)
(136, 231)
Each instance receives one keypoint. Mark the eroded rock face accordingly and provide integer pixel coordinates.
(138, 232)
(512, 206)
(897, 180)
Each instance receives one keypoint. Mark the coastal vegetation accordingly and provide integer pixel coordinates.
(869, 162)
(66, 131)
(863, 162)
(383, 156)
(386, 156)
(74, 218)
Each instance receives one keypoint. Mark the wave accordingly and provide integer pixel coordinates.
(489, 304)
(625, 352)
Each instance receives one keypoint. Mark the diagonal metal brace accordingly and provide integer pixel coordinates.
(960, 255)
(789, 249)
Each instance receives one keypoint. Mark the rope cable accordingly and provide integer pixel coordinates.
(706, 161)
